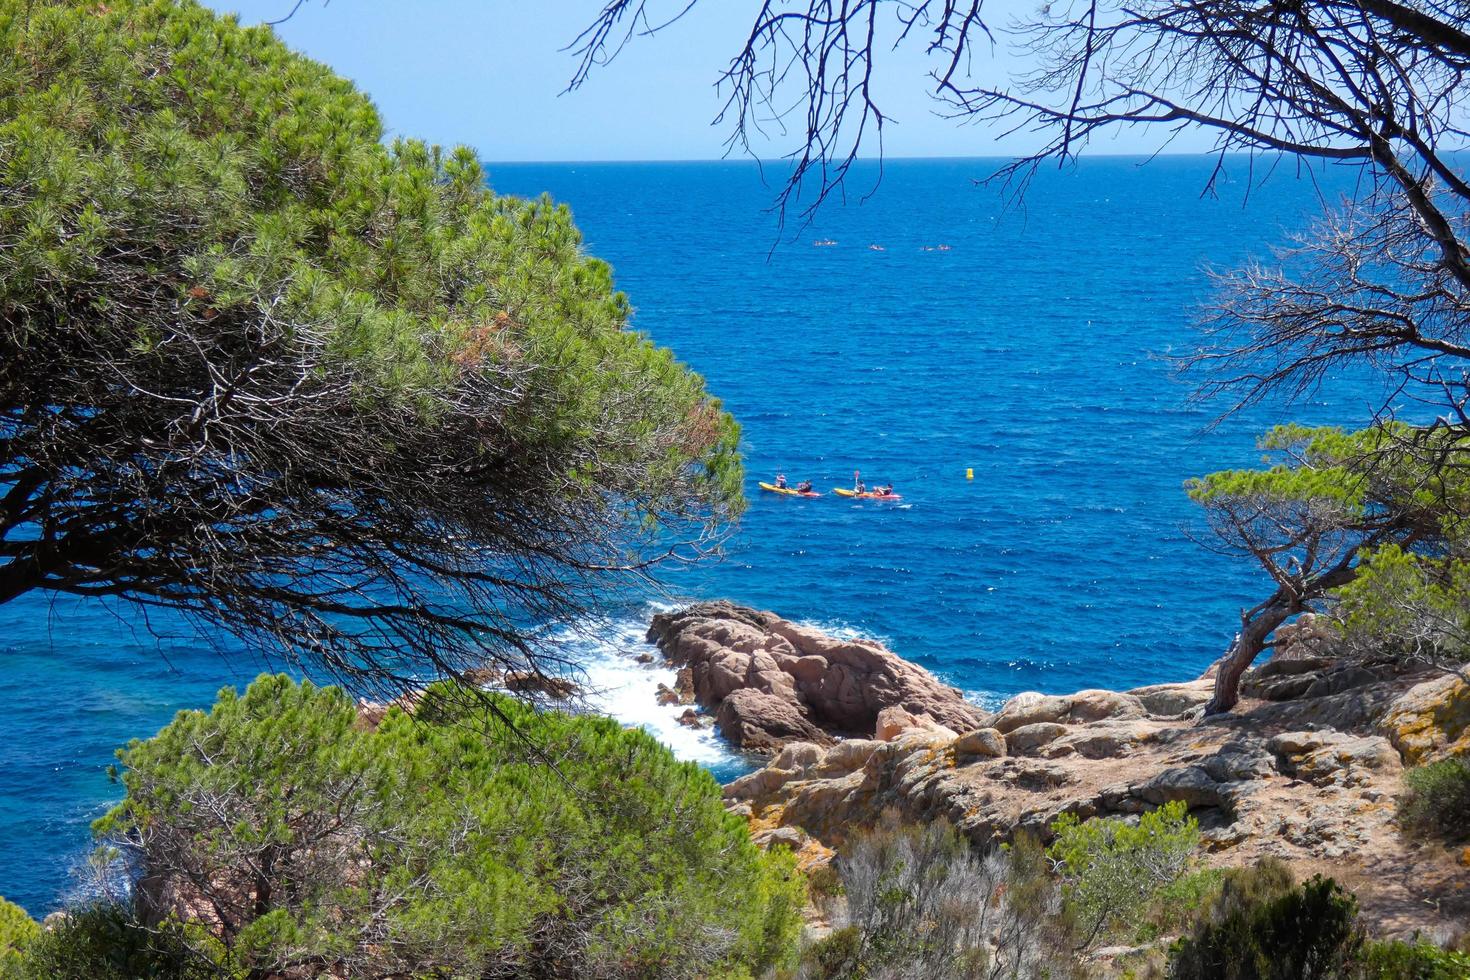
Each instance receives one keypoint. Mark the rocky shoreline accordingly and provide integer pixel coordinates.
(1307, 768)
(769, 682)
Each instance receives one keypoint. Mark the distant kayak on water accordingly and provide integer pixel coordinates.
(842, 491)
(788, 491)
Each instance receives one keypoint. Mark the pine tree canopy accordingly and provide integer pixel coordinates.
(334, 395)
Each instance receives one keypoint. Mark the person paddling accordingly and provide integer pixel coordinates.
(857, 482)
(780, 481)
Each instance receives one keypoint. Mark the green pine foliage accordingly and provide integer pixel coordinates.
(437, 842)
(1112, 868)
(333, 395)
(17, 932)
(105, 941)
(238, 177)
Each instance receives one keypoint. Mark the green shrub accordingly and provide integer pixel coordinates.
(1436, 800)
(837, 956)
(1262, 928)
(1175, 907)
(1411, 961)
(439, 843)
(105, 941)
(17, 931)
(1112, 868)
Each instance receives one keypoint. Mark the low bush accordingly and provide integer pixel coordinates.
(105, 941)
(1262, 927)
(1112, 869)
(922, 905)
(1436, 800)
(1411, 961)
(1175, 907)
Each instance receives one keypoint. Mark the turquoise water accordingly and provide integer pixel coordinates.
(1031, 351)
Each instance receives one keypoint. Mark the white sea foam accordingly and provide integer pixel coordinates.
(618, 686)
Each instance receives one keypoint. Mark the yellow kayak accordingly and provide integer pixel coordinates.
(788, 491)
(843, 491)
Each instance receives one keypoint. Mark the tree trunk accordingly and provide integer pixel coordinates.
(1255, 628)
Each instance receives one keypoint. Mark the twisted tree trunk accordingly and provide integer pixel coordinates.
(1256, 626)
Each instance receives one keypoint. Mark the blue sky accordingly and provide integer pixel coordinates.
(490, 73)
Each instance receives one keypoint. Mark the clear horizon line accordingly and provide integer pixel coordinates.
(873, 159)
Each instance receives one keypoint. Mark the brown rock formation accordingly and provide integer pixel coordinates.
(1310, 777)
(770, 682)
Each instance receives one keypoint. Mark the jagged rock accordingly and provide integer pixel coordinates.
(1034, 774)
(666, 695)
(838, 687)
(1310, 780)
(531, 682)
(1430, 720)
(370, 714)
(684, 685)
(1280, 666)
(482, 676)
(1028, 738)
(1282, 687)
(690, 718)
(1342, 678)
(1308, 637)
(981, 743)
(1305, 677)
(644, 658)
(761, 722)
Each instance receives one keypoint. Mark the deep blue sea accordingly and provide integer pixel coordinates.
(1032, 350)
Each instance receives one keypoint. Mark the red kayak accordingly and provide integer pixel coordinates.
(867, 496)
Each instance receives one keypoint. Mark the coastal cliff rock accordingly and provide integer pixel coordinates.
(1309, 776)
(770, 682)
(1430, 721)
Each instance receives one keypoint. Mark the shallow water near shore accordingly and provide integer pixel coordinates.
(1032, 350)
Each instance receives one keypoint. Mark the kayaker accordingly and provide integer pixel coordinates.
(857, 483)
(780, 481)
(805, 486)
(884, 491)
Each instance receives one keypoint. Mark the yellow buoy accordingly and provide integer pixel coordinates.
(969, 474)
